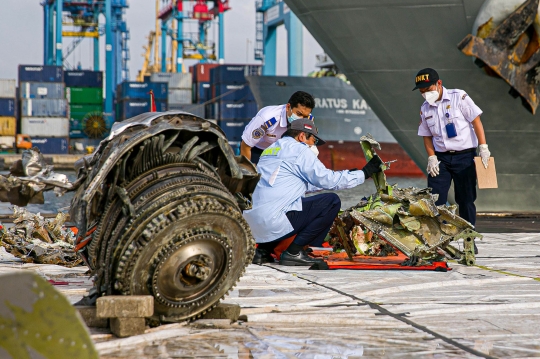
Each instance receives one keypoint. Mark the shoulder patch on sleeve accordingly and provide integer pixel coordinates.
(258, 133)
(463, 97)
(267, 124)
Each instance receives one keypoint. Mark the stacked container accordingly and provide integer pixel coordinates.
(8, 120)
(179, 87)
(133, 98)
(44, 109)
(201, 82)
(233, 102)
(84, 93)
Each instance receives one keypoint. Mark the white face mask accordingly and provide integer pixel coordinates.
(431, 96)
(315, 150)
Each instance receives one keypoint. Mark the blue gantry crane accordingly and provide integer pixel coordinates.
(80, 19)
(270, 14)
(187, 45)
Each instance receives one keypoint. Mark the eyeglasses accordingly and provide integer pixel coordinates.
(316, 139)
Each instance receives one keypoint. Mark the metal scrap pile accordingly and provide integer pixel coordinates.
(29, 178)
(35, 239)
(404, 219)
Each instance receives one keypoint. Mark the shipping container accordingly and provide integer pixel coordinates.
(45, 126)
(44, 108)
(40, 73)
(141, 90)
(79, 116)
(210, 110)
(174, 80)
(84, 95)
(8, 126)
(233, 74)
(83, 78)
(195, 109)
(130, 108)
(7, 107)
(179, 96)
(202, 92)
(82, 108)
(201, 72)
(232, 92)
(76, 123)
(41, 90)
(51, 145)
(77, 133)
(7, 88)
(234, 128)
(227, 110)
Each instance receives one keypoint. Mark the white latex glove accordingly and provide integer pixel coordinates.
(433, 165)
(484, 154)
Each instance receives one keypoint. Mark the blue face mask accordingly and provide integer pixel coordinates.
(294, 117)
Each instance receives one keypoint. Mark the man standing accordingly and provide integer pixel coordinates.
(271, 122)
(451, 126)
(280, 209)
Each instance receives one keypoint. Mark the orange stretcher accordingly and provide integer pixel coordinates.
(359, 262)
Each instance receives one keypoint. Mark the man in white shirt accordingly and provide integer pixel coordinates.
(452, 130)
(271, 122)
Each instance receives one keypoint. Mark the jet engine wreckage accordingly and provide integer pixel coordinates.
(158, 208)
(405, 219)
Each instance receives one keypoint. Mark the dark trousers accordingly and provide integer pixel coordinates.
(460, 169)
(256, 154)
(312, 223)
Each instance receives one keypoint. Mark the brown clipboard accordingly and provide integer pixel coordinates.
(487, 177)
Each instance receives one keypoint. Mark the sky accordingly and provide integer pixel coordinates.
(21, 37)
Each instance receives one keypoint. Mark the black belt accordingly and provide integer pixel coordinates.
(456, 152)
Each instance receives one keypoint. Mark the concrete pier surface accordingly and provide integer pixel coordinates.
(491, 310)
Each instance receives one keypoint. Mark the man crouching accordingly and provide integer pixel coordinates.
(280, 209)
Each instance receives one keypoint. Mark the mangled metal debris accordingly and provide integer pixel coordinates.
(31, 176)
(510, 50)
(35, 239)
(404, 219)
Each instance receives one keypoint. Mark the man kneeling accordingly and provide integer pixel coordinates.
(289, 168)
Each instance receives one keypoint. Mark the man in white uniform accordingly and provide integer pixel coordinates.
(271, 122)
(452, 130)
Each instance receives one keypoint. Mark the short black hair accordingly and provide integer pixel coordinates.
(302, 98)
(294, 133)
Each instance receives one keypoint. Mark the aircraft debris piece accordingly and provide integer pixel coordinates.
(510, 50)
(404, 219)
(37, 321)
(35, 239)
(31, 176)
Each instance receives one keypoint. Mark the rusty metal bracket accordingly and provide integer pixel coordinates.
(512, 51)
